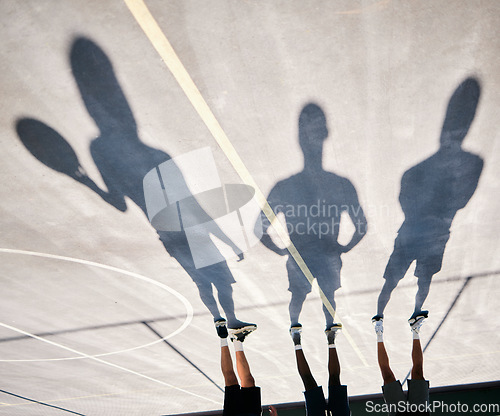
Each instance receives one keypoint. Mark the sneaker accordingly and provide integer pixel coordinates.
(378, 324)
(417, 320)
(221, 328)
(241, 333)
(237, 325)
(331, 331)
(295, 331)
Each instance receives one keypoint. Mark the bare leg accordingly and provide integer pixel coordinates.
(417, 356)
(305, 371)
(227, 367)
(333, 367)
(424, 284)
(243, 368)
(383, 362)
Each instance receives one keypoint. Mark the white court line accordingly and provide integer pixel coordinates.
(160, 42)
(185, 302)
(119, 367)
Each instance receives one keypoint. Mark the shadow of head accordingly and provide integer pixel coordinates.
(312, 131)
(460, 113)
(99, 88)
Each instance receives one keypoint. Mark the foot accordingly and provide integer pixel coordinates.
(241, 333)
(295, 331)
(221, 328)
(331, 332)
(417, 320)
(237, 325)
(378, 324)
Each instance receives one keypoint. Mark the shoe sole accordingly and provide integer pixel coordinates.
(248, 328)
(417, 318)
(334, 327)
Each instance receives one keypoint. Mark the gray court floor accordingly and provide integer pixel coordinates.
(98, 316)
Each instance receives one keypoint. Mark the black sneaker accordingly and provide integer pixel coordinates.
(331, 331)
(417, 320)
(241, 333)
(418, 316)
(236, 326)
(295, 331)
(221, 328)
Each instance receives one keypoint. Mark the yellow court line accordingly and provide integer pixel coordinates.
(160, 42)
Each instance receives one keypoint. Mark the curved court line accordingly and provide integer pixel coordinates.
(94, 358)
(160, 42)
(185, 302)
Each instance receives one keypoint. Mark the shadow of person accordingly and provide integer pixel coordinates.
(312, 203)
(431, 194)
(123, 161)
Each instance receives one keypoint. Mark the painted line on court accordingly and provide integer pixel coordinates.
(93, 396)
(185, 302)
(160, 42)
(90, 357)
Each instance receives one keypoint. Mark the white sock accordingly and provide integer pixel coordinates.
(223, 342)
(331, 346)
(238, 345)
(380, 337)
(298, 347)
(416, 335)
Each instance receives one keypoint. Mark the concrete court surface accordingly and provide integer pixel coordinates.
(80, 337)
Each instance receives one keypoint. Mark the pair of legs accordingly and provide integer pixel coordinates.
(240, 396)
(316, 405)
(305, 372)
(418, 387)
(390, 284)
(327, 272)
(425, 246)
(297, 300)
(417, 370)
(242, 368)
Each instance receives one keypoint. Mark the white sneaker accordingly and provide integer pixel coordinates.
(378, 324)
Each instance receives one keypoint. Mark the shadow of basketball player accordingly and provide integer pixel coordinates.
(123, 161)
(431, 194)
(312, 203)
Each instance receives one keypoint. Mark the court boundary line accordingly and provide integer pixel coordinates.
(93, 358)
(159, 41)
(185, 302)
(33, 401)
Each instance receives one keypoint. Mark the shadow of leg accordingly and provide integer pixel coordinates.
(385, 295)
(424, 285)
(295, 306)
